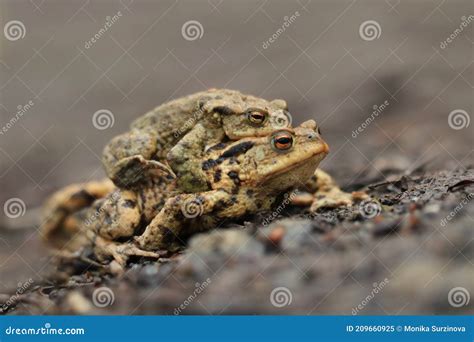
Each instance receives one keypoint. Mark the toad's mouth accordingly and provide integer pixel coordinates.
(314, 158)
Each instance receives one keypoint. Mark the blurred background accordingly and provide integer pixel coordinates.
(338, 62)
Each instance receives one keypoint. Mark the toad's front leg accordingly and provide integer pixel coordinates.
(166, 230)
(325, 193)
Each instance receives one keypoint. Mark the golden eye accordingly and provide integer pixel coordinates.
(256, 117)
(282, 141)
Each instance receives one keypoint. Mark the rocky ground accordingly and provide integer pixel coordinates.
(402, 256)
(415, 157)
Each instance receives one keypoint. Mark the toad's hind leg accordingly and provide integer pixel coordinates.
(58, 221)
(118, 216)
(115, 216)
(166, 230)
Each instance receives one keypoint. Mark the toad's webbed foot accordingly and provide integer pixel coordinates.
(120, 251)
(131, 158)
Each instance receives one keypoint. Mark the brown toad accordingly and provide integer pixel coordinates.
(243, 178)
(173, 136)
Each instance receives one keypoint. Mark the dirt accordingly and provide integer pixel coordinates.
(409, 258)
(411, 253)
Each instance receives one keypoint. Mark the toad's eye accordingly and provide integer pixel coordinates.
(256, 117)
(282, 141)
(319, 130)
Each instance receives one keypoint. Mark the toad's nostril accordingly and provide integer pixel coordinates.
(312, 136)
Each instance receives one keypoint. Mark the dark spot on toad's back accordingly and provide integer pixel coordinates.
(218, 176)
(216, 147)
(234, 176)
(83, 195)
(237, 149)
(206, 165)
(223, 110)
